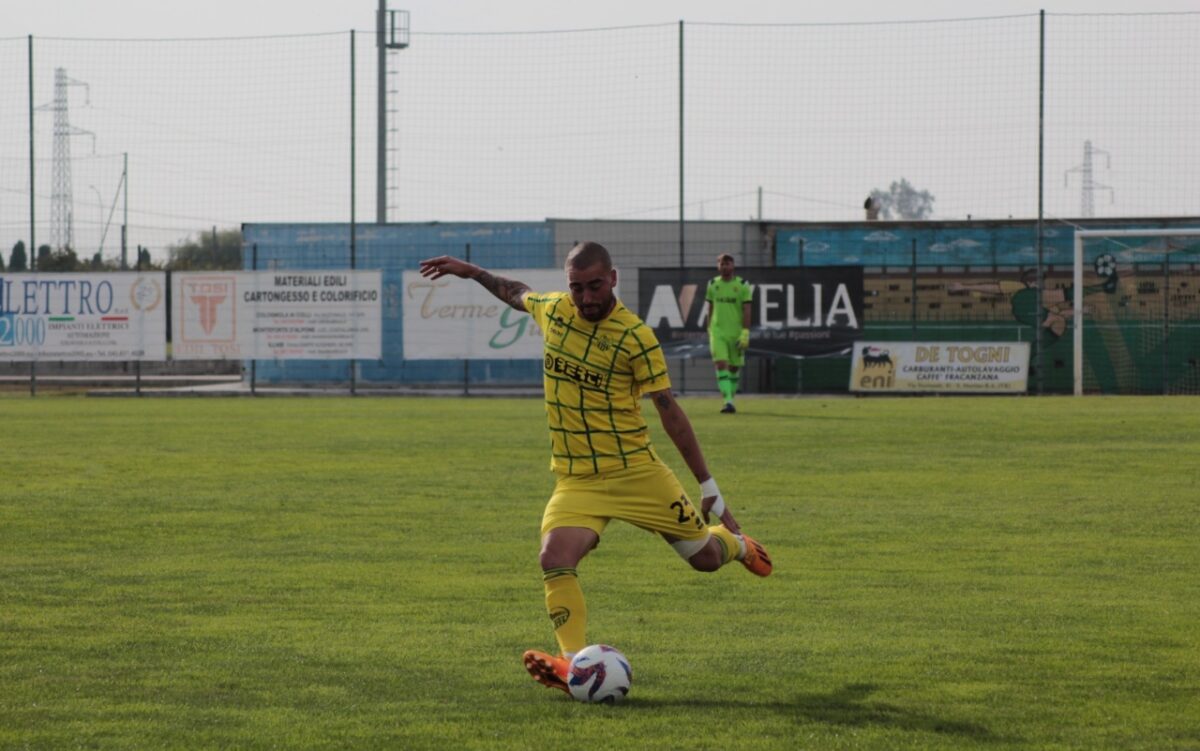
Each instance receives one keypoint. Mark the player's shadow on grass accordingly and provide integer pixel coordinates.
(851, 706)
(753, 412)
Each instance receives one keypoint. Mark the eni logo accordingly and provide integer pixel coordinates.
(878, 369)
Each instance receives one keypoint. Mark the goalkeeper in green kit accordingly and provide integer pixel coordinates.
(728, 299)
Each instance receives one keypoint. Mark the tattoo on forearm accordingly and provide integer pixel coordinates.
(508, 290)
(664, 399)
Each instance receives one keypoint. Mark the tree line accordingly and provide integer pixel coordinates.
(222, 249)
(218, 249)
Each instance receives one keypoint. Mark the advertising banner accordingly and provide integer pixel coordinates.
(457, 319)
(795, 311)
(947, 367)
(81, 317)
(276, 315)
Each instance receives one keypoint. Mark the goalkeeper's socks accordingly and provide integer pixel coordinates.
(726, 384)
(567, 609)
(733, 546)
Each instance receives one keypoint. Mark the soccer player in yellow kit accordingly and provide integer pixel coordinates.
(599, 359)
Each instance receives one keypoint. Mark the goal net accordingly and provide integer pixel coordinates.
(1135, 306)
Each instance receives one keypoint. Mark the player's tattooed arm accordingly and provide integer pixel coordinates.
(663, 399)
(675, 421)
(679, 428)
(508, 290)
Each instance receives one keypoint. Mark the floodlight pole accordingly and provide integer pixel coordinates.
(391, 33)
(353, 157)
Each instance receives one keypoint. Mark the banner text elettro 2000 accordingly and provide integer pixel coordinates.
(88, 317)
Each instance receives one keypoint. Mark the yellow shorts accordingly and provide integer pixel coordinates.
(647, 495)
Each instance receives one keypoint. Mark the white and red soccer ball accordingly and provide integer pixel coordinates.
(599, 673)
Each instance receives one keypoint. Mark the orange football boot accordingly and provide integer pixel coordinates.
(548, 670)
(756, 558)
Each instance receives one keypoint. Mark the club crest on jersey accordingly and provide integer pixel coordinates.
(603, 343)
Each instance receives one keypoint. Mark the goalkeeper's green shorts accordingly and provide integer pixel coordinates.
(725, 348)
(645, 495)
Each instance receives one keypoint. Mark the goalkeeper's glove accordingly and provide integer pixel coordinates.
(743, 342)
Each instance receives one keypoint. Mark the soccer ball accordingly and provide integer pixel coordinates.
(599, 673)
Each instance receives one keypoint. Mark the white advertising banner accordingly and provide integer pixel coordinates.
(457, 319)
(948, 367)
(276, 315)
(95, 316)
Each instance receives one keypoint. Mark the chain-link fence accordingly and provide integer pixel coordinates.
(663, 132)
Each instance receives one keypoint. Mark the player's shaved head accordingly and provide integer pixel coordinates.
(591, 279)
(587, 254)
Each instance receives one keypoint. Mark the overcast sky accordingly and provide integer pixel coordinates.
(158, 18)
(791, 123)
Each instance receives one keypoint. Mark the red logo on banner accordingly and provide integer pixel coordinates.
(208, 310)
(208, 300)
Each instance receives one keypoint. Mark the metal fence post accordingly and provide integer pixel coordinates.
(32, 213)
(913, 266)
(353, 228)
(1166, 376)
(467, 359)
(1041, 278)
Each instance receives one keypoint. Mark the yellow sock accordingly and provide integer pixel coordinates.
(732, 544)
(568, 612)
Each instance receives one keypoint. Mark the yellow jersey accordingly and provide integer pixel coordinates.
(594, 375)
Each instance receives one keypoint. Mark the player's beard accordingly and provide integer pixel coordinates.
(597, 312)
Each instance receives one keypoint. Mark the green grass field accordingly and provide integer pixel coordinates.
(1013, 573)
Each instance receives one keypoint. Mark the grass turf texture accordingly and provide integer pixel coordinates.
(362, 573)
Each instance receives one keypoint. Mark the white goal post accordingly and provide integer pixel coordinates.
(1077, 301)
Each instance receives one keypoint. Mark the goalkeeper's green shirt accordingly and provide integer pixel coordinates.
(594, 376)
(727, 298)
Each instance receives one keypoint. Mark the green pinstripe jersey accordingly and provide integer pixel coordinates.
(594, 376)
